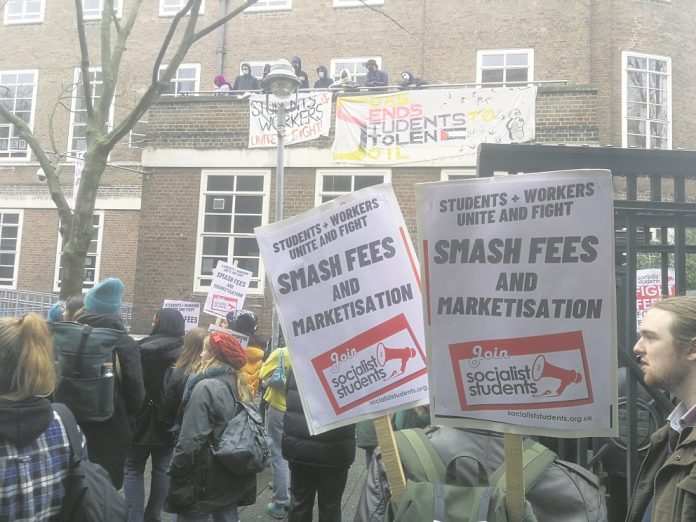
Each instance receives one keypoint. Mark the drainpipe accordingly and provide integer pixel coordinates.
(222, 46)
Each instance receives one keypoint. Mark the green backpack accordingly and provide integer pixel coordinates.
(87, 365)
(432, 491)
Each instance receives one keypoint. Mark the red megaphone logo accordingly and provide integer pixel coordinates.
(384, 355)
(541, 368)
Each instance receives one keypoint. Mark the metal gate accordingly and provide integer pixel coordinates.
(654, 210)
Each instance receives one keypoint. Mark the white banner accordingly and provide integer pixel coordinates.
(242, 338)
(346, 284)
(228, 290)
(649, 290)
(519, 302)
(416, 126)
(190, 310)
(305, 120)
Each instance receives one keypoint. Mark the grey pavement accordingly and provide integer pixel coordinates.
(351, 495)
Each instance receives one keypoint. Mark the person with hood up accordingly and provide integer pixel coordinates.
(222, 86)
(108, 441)
(324, 82)
(375, 77)
(408, 80)
(345, 81)
(301, 75)
(245, 81)
(246, 322)
(201, 486)
(152, 437)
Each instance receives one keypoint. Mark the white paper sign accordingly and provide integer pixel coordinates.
(520, 302)
(228, 290)
(190, 310)
(242, 338)
(345, 280)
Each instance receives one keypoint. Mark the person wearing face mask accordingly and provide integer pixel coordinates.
(324, 81)
(245, 81)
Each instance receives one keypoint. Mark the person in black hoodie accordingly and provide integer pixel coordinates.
(319, 464)
(324, 81)
(108, 441)
(152, 436)
(301, 75)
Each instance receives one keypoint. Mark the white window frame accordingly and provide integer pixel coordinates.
(165, 11)
(505, 52)
(318, 186)
(358, 75)
(454, 174)
(77, 91)
(256, 65)
(23, 18)
(18, 248)
(175, 79)
(11, 127)
(118, 7)
(97, 255)
(624, 98)
(200, 235)
(356, 3)
(138, 140)
(263, 5)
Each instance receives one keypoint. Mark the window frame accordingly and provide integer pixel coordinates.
(175, 80)
(624, 99)
(11, 126)
(256, 8)
(23, 21)
(357, 77)
(97, 255)
(356, 3)
(71, 129)
(255, 64)
(118, 7)
(455, 174)
(505, 52)
(168, 13)
(18, 247)
(200, 234)
(321, 173)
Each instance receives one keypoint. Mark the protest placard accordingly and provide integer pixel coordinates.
(228, 290)
(242, 338)
(520, 302)
(345, 280)
(649, 289)
(191, 311)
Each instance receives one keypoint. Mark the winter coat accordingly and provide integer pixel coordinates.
(668, 479)
(199, 485)
(34, 460)
(331, 448)
(252, 368)
(325, 82)
(174, 384)
(275, 396)
(108, 441)
(158, 353)
(411, 81)
(246, 82)
(377, 78)
(365, 434)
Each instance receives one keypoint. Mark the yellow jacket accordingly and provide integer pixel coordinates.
(252, 368)
(275, 396)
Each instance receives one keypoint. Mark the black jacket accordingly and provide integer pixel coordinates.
(108, 441)
(332, 448)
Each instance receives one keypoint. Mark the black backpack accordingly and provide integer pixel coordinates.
(87, 369)
(89, 494)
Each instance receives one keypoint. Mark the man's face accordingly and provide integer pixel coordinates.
(245, 70)
(665, 365)
(371, 67)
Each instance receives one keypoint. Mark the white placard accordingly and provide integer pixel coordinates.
(228, 290)
(242, 338)
(190, 310)
(649, 290)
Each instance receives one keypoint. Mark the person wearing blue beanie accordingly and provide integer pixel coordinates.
(105, 297)
(56, 312)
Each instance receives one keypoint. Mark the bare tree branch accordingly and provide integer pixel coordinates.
(84, 58)
(222, 21)
(386, 15)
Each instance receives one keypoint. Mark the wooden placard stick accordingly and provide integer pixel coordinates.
(390, 458)
(514, 477)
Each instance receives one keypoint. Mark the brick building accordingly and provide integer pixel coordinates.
(617, 72)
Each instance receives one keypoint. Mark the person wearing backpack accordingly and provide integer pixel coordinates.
(108, 441)
(200, 486)
(152, 437)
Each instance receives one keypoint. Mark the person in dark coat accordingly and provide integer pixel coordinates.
(324, 81)
(200, 486)
(108, 441)
(319, 464)
(152, 436)
(245, 81)
(408, 80)
(296, 63)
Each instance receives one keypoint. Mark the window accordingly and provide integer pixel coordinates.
(18, 94)
(186, 79)
(333, 183)
(10, 234)
(93, 255)
(270, 5)
(92, 9)
(501, 67)
(354, 65)
(256, 67)
(453, 174)
(647, 104)
(24, 11)
(232, 203)
(137, 138)
(356, 3)
(77, 138)
(171, 7)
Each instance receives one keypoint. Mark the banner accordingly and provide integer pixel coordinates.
(305, 120)
(416, 126)
(191, 311)
(519, 302)
(649, 290)
(227, 291)
(242, 338)
(345, 281)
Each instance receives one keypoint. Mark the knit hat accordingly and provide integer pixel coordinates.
(226, 348)
(55, 313)
(105, 297)
(219, 80)
(369, 62)
(242, 321)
